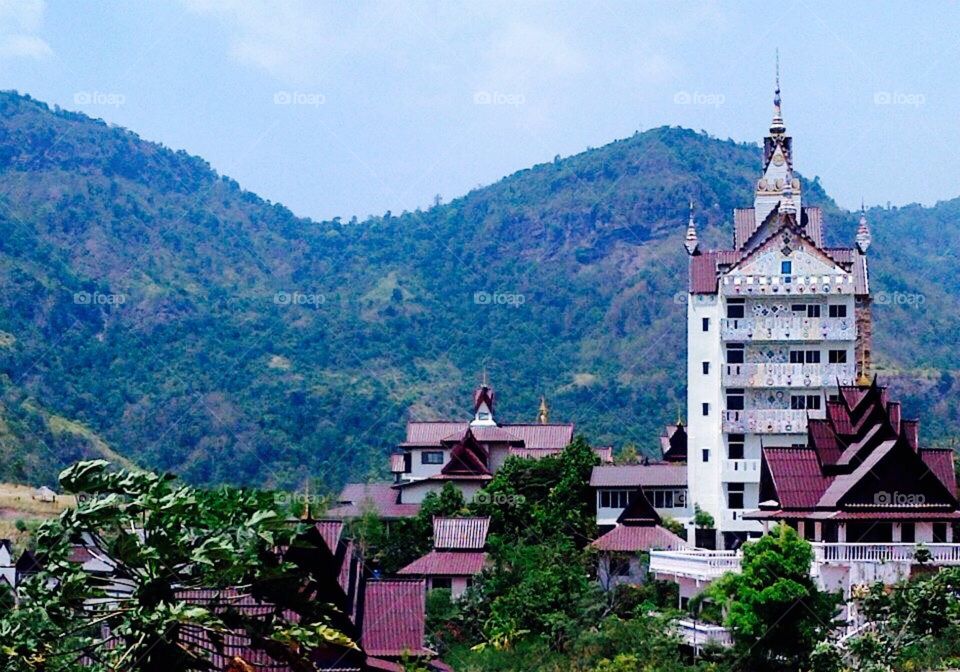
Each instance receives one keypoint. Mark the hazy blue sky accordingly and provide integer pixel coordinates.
(342, 109)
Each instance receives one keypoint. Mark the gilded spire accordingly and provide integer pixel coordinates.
(863, 380)
(543, 415)
(305, 514)
(777, 126)
(691, 242)
(863, 230)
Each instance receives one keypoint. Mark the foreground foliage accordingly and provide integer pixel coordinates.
(162, 538)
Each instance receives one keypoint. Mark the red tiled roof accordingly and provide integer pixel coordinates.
(330, 530)
(398, 463)
(446, 563)
(814, 225)
(940, 462)
(467, 458)
(744, 225)
(796, 475)
(556, 436)
(633, 538)
(537, 436)
(460, 533)
(657, 474)
(394, 618)
(431, 433)
(485, 434)
(357, 498)
(703, 273)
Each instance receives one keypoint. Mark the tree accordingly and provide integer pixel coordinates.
(774, 609)
(164, 538)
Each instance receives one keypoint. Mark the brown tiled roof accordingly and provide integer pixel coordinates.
(356, 498)
(743, 225)
(394, 618)
(657, 474)
(632, 538)
(554, 436)
(446, 563)
(796, 475)
(468, 533)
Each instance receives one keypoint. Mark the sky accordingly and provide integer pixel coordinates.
(342, 109)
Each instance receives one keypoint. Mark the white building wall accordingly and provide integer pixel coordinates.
(704, 431)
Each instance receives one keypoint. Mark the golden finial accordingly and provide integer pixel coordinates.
(863, 379)
(543, 415)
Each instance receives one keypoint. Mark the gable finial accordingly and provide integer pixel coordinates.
(543, 414)
(690, 241)
(777, 125)
(863, 230)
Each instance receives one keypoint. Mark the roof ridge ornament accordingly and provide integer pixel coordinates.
(691, 242)
(777, 126)
(863, 238)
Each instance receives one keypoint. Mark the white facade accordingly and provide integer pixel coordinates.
(763, 352)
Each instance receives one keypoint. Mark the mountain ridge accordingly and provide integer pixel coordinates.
(198, 328)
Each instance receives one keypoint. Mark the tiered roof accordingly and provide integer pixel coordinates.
(638, 529)
(673, 443)
(862, 461)
(458, 545)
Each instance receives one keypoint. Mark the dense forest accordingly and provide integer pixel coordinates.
(152, 308)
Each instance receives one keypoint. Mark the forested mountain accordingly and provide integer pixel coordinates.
(152, 307)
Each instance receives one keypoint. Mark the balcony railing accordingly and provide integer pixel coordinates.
(697, 564)
(767, 421)
(786, 285)
(844, 553)
(787, 329)
(741, 471)
(699, 634)
(788, 375)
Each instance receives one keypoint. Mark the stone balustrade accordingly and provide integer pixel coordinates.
(788, 328)
(788, 375)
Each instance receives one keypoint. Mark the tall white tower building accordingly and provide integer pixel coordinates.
(773, 325)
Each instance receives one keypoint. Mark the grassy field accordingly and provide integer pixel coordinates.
(17, 503)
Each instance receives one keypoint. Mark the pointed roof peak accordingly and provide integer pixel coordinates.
(777, 126)
(863, 230)
(691, 242)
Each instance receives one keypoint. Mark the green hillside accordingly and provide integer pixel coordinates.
(195, 327)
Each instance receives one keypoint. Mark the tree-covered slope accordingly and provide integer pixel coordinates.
(198, 328)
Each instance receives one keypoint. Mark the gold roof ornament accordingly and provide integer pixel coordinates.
(863, 380)
(305, 514)
(543, 415)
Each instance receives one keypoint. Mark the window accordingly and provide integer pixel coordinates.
(444, 582)
(614, 499)
(809, 530)
(706, 368)
(939, 533)
(735, 353)
(735, 399)
(837, 357)
(837, 310)
(620, 564)
(799, 308)
(809, 402)
(735, 446)
(664, 499)
(829, 531)
(431, 457)
(786, 268)
(735, 495)
(908, 533)
(808, 309)
(705, 407)
(735, 309)
(813, 310)
(804, 356)
(705, 322)
(706, 455)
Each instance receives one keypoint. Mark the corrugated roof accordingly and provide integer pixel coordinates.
(357, 498)
(446, 563)
(632, 538)
(703, 273)
(556, 436)
(657, 474)
(796, 475)
(744, 224)
(460, 533)
(393, 619)
(330, 530)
